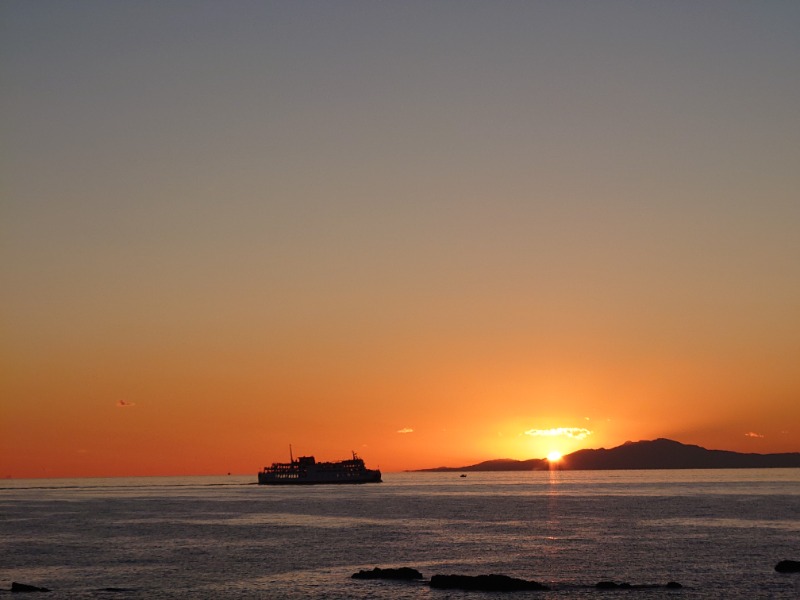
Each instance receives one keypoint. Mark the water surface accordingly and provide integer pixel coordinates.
(717, 532)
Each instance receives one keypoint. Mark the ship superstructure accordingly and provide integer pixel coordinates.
(306, 470)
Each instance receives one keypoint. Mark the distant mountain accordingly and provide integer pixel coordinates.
(652, 454)
(501, 464)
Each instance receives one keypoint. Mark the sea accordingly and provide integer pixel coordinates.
(719, 533)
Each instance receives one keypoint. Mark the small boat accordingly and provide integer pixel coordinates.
(307, 471)
(463, 475)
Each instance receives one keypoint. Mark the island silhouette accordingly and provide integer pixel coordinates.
(646, 454)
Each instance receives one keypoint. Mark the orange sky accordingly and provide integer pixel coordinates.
(429, 233)
(211, 407)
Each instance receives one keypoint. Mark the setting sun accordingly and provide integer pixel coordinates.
(554, 456)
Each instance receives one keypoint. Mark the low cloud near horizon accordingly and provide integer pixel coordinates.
(125, 404)
(753, 434)
(578, 433)
(405, 430)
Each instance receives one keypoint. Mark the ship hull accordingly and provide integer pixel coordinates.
(267, 479)
(307, 471)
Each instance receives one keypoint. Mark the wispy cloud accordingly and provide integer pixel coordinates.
(405, 430)
(578, 433)
(753, 434)
(125, 404)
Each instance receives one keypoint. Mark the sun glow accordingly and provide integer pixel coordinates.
(554, 456)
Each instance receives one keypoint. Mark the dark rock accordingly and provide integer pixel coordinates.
(606, 585)
(24, 587)
(788, 566)
(377, 573)
(612, 585)
(485, 583)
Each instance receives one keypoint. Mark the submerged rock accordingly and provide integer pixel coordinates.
(788, 566)
(485, 583)
(613, 585)
(24, 587)
(399, 573)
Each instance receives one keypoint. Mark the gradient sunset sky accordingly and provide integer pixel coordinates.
(431, 232)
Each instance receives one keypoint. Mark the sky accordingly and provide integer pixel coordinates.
(432, 233)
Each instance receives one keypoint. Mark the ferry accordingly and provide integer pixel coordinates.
(306, 471)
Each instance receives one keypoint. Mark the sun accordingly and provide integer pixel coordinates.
(554, 456)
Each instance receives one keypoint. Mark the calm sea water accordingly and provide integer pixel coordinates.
(719, 533)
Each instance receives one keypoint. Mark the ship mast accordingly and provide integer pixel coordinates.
(291, 458)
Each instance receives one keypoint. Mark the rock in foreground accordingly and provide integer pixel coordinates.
(485, 583)
(788, 566)
(613, 585)
(405, 573)
(24, 587)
